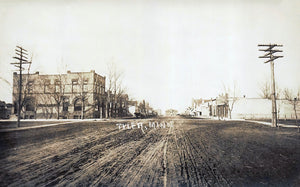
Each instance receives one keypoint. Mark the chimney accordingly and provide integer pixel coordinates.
(68, 71)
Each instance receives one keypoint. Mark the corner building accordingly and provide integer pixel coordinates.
(74, 95)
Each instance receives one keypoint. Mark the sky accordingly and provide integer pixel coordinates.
(169, 51)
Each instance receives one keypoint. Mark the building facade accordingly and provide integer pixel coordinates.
(245, 108)
(74, 95)
(118, 106)
(5, 110)
(258, 108)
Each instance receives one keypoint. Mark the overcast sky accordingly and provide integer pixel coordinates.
(169, 51)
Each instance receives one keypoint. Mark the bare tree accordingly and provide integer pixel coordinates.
(171, 112)
(265, 90)
(294, 100)
(59, 92)
(230, 97)
(83, 91)
(120, 97)
(26, 90)
(115, 89)
(46, 104)
(265, 93)
(59, 87)
(44, 97)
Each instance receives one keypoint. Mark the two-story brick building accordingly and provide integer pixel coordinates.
(71, 95)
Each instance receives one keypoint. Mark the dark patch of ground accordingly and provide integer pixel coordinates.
(193, 152)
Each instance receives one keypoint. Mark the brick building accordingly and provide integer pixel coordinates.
(65, 96)
(118, 106)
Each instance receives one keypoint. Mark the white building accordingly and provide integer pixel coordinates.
(257, 108)
(244, 108)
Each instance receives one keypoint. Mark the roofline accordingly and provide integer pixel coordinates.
(68, 72)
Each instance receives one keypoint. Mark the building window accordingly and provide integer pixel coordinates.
(74, 86)
(65, 104)
(101, 89)
(30, 87)
(85, 86)
(57, 86)
(78, 105)
(29, 104)
(47, 86)
(15, 107)
(97, 106)
(98, 88)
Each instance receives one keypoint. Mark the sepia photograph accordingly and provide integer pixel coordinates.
(149, 93)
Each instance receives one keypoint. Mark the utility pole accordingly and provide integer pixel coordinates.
(270, 54)
(295, 109)
(21, 55)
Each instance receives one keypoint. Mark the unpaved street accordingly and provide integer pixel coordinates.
(188, 153)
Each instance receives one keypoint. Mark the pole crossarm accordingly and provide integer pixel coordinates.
(273, 58)
(21, 52)
(22, 48)
(265, 56)
(270, 51)
(276, 50)
(269, 45)
(19, 67)
(24, 61)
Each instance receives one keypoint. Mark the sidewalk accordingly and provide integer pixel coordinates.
(55, 123)
(35, 126)
(270, 124)
(263, 123)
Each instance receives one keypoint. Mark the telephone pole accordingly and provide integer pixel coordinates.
(270, 51)
(21, 55)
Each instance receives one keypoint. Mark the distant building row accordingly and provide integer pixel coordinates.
(242, 108)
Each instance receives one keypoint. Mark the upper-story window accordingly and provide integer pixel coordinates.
(57, 86)
(97, 87)
(85, 85)
(101, 89)
(65, 104)
(30, 87)
(47, 88)
(75, 86)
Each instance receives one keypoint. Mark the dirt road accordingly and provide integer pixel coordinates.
(183, 153)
